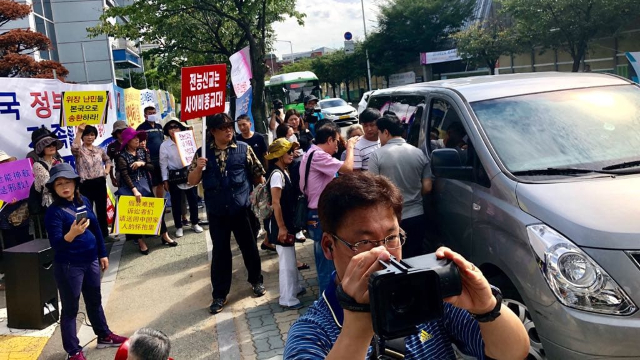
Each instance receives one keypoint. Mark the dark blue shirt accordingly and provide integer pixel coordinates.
(86, 247)
(312, 336)
(155, 137)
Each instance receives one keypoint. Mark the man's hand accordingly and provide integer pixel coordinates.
(201, 163)
(355, 282)
(476, 296)
(104, 263)
(351, 143)
(165, 185)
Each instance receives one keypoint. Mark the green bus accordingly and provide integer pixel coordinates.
(291, 88)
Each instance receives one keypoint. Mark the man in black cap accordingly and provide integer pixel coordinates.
(37, 135)
(227, 180)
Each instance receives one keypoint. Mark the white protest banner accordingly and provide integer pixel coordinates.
(241, 71)
(27, 104)
(439, 57)
(187, 147)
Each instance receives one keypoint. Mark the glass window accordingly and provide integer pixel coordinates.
(51, 30)
(587, 128)
(325, 104)
(379, 102)
(298, 91)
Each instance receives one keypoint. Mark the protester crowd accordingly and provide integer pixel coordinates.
(308, 182)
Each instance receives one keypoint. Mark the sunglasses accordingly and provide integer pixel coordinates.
(226, 126)
(173, 127)
(291, 151)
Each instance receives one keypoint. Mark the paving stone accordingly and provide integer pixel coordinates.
(267, 334)
(276, 342)
(260, 313)
(262, 346)
(262, 329)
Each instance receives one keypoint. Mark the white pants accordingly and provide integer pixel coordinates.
(290, 278)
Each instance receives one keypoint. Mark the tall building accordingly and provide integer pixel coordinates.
(65, 22)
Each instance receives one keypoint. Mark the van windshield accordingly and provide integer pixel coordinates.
(581, 128)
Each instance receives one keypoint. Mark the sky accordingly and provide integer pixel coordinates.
(325, 24)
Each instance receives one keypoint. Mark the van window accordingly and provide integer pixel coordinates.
(379, 102)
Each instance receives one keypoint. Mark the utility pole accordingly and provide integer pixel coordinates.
(364, 24)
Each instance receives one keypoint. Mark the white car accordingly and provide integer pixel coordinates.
(363, 102)
(338, 111)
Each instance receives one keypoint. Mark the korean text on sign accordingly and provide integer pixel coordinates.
(203, 90)
(16, 178)
(139, 218)
(187, 147)
(84, 107)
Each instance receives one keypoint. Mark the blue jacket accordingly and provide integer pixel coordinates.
(228, 193)
(84, 248)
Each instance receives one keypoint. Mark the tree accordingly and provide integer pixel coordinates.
(17, 46)
(408, 27)
(569, 24)
(484, 42)
(203, 32)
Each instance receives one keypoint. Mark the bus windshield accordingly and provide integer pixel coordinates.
(297, 91)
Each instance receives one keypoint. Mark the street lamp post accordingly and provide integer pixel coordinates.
(291, 46)
(364, 24)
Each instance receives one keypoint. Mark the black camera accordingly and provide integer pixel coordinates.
(277, 105)
(409, 292)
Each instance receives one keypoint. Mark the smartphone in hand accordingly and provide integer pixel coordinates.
(81, 216)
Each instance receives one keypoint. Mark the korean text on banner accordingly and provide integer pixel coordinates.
(16, 178)
(439, 57)
(135, 114)
(187, 147)
(28, 104)
(84, 107)
(203, 90)
(139, 218)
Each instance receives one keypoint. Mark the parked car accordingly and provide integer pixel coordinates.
(339, 111)
(537, 182)
(363, 102)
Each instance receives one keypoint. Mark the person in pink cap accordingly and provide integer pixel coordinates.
(134, 165)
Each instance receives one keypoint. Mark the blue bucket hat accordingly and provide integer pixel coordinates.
(63, 170)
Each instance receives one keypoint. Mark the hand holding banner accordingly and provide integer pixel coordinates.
(187, 147)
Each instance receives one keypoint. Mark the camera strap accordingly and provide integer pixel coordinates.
(349, 303)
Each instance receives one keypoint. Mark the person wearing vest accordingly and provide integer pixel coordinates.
(227, 180)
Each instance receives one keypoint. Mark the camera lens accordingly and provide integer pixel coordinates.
(402, 299)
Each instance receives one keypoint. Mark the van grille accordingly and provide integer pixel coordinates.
(635, 256)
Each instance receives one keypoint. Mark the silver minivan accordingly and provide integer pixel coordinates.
(537, 181)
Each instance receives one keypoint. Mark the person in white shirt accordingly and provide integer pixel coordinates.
(369, 142)
(170, 161)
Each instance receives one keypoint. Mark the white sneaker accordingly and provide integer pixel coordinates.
(197, 228)
(179, 232)
(300, 236)
(261, 233)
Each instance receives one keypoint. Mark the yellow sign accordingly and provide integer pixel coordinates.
(84, 107)
(133, 107)
(139, 218)
(2, 204)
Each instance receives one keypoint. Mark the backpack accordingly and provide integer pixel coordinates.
(260, 199)
(34, 202)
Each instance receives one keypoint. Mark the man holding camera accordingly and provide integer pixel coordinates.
(277, 116)
(311, 114)
(360, 215)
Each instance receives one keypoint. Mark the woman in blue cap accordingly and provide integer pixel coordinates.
(80, 254)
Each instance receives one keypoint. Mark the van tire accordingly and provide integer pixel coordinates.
(513, 300)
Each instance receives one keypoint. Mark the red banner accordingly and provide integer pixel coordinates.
(203, 90)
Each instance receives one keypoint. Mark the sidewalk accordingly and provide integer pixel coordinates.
(170, 290)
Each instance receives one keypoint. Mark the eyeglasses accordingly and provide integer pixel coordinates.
(173, 127)
(226, 126)
(391, 242)
(53, 144)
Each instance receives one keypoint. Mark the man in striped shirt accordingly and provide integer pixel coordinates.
(356, 210)
(369, 142)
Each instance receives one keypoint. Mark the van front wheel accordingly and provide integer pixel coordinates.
(535, 345)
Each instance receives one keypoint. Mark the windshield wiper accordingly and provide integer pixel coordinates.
(562, 171)
(624, 165)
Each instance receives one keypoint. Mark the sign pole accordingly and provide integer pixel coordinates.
(204, 138)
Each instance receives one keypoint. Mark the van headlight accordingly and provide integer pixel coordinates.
(575, 279)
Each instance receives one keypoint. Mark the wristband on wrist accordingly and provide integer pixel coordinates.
(493, 314)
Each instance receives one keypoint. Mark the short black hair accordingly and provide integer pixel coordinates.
(244, 117)
(149, 108)
(282, 130)
(356, 190)
(390, 123)
(370, 115)
(325, 131)
(88, 130)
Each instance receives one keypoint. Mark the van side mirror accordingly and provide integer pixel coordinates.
(448, 163)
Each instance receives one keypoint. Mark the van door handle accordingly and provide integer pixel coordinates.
(476, 207)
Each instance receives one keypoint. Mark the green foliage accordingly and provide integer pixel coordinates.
(484, 43)
(196, 32)
(568, 24)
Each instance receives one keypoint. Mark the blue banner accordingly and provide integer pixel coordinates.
(121, 113)
(243, 106)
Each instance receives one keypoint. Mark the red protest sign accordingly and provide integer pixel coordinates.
(203, 90)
